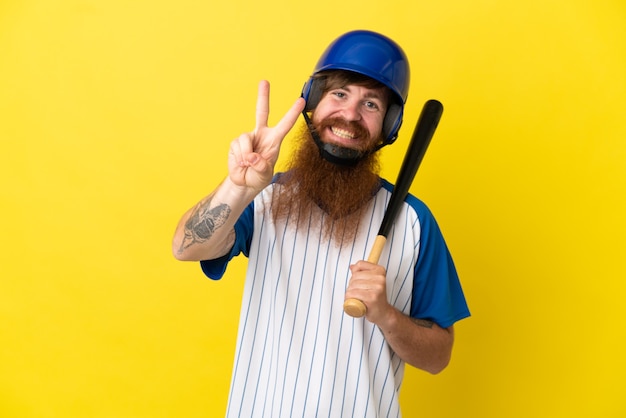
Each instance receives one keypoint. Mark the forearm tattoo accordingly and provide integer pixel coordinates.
(423, 322)
(203, 223)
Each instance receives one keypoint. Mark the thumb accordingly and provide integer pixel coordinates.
(252, 159)
(260, 165)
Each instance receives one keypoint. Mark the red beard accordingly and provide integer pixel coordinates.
(340, 192)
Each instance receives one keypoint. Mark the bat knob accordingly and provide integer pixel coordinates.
(354, 307)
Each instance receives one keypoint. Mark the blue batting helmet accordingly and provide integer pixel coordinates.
(372, 55)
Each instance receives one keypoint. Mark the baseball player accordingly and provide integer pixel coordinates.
(307, 231)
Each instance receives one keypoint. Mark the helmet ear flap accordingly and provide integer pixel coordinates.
(312, 92)
(392, 122)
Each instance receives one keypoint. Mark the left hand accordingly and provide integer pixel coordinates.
(369, 285)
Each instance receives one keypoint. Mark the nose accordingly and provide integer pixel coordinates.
(350, 110)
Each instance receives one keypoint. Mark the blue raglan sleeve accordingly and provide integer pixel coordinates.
(437, 292)
(215, 269)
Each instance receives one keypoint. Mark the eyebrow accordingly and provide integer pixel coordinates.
(376, 93)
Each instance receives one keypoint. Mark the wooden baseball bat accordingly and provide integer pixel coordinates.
(423, 133)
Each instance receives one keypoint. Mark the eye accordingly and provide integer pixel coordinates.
(370, 105)
(338, 93)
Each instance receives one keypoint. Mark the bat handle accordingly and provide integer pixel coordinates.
(354, 307)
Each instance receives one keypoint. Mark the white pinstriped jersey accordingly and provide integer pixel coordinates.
(298, 354)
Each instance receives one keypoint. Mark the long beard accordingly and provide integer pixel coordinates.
(323, 193)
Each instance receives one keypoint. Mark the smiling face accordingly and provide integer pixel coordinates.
(351, 114)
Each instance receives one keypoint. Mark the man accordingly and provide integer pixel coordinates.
(307, 233)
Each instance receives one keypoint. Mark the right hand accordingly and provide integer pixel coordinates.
(253, 155)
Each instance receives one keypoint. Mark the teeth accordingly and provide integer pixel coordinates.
(342, 133)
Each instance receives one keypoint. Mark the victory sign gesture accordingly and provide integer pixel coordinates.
(253, 155)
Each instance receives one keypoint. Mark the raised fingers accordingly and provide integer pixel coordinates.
(262, 105)
(290, 118)
(275, 136)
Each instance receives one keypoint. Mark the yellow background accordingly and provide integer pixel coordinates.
(115, 117)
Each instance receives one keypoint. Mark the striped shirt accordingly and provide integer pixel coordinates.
(298, 354)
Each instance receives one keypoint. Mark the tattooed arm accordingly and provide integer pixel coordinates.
(206, 231)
